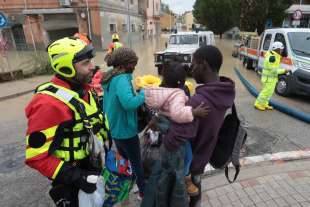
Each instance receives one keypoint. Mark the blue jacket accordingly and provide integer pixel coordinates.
(120, 105)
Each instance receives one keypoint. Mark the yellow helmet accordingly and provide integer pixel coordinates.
(115, 37)
(63, 53)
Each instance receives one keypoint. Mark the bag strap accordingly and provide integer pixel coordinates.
(234, 110)
(237, 169)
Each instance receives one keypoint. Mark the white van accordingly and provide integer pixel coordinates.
(182, 45)
(296, 57)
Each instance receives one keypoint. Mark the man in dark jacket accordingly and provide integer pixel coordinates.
(216, 92)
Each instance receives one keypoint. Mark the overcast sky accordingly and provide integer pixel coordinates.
(180, 6)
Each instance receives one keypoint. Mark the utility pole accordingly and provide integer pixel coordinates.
(88, 20)
(170, 17)
(129, 25)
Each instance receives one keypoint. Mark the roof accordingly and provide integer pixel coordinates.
(305, 8)
(289, 29)
(192, 33)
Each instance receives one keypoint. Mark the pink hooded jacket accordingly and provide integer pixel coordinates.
(170, 102)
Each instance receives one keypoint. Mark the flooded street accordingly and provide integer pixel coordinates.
(268, 132)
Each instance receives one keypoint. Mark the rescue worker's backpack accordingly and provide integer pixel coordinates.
(231, 138)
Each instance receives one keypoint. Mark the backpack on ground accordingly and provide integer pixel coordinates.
(231, 138)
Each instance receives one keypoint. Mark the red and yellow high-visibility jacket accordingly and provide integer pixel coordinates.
(54, 124)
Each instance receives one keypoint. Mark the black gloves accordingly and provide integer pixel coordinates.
(82, 179)
(87, 181)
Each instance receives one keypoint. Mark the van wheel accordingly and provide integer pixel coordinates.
(249, 64)
(160, 69)
(283, 87)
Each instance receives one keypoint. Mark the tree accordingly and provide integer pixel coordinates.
(254, 14)
(217, 15)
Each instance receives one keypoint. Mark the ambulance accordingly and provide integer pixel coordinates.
(296, 57)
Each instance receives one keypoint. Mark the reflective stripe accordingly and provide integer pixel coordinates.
(71, 147)
(50, 132)
(63, 94)
(57, 169)
(32, 152)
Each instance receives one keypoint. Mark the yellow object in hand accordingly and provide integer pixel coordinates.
(147, 80)
(190, 86)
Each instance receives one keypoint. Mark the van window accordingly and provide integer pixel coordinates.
(202, 40)
(280, 38)
(173, 40)
(267, 42)
(300, 43)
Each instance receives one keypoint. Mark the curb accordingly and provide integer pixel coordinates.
(278, 157)
(3, 98)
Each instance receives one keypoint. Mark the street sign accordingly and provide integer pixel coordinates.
(3, 20)
(297, 14)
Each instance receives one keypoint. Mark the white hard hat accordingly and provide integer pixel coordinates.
(277, 45)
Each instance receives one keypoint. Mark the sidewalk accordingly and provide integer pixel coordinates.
(267, 184)
(13, 89)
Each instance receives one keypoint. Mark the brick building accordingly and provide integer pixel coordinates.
(39, 22)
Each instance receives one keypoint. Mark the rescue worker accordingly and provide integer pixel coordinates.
(84, 37)
(62, 117)
(115, 44)
(271, 70)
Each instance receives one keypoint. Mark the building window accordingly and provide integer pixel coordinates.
(112, 27)
(124, 27)
(156, 6)
(133, 28)
(131, 1)
(147, 3)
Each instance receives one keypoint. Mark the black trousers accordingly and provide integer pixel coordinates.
(130, 149)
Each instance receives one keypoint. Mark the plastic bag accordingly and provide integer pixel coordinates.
(94, 199)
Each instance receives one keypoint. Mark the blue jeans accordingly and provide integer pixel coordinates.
(188, 157)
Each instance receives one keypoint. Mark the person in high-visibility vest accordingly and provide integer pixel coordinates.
(84, 37)
(271, 70)
(62, 117)
(115, 44)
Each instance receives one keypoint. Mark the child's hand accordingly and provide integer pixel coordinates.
(201, 111)
(152, 124)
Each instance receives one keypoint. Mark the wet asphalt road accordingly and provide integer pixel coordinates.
(268, 132)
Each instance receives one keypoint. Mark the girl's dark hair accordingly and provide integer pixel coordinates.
(212, 55)
(174, 74)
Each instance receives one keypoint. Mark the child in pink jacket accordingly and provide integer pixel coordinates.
(170, 99)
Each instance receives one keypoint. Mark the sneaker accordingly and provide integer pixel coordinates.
(269, 107)
(191, 188)
(260, 107)
(140, 196)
